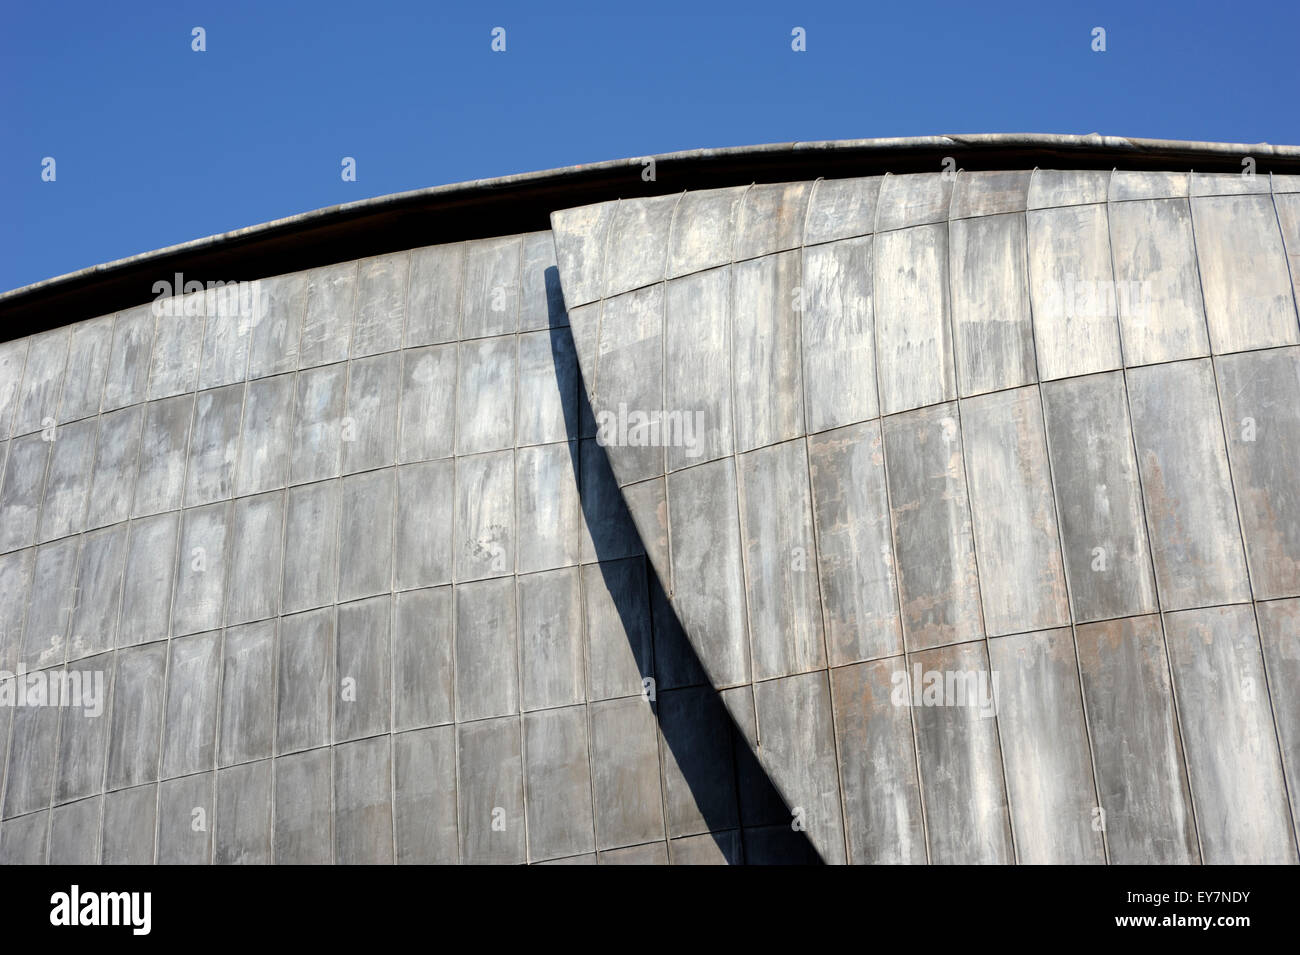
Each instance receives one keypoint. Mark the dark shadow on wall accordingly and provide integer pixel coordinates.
(718, 784)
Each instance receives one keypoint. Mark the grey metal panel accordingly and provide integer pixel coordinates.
(770, 219)
(38, 400)
(381, 304)
(485, 396)
(914, 341)
(201, 569)
(20, 495)
(960, 764)
(1288, 217)
(189, 742)
(616, 603)
(1136, 748)
(321, 393)
(839, 344)
(15, 587)
(116, 455)
(363, 806)
(147, 590)
(433, 299)
(163, 443)
(23, 841)
(1071, 287)
(549, 509)
(841, 209)
(311, 546)
(697, 347)
(214, 445)
(637, 246)
(304, 789)
(1279, 631)
(1158, 291)
(128, 364)
(989, 193)
(74, 833)
(369, 433)
(767, 382)
(699, 775)
(277, 325)
(363, 669)
(558, 783)
(327, 326)
(547, 404)
(652, 853)
(487, 665)
(177, 348)
(797, 743)
(550, 636)
(625, 773)
(715, 848)
(128, 828)
(1045, 748)
(1260, 393)
(242, 827)
(32, 759)
(607, 529)
(1195, 538)
(305, 676)
(424, 796)
(760, 804)
(366, 524)
(706, 551)
(992, 325)
(88, 355)
(933, 546)
(227, 335)
(255, 558)
(584, 323)
(782, 589)
(490, 298)
(185, 820)
(702, 231)
(881, 790)
(63, 510)
(1127, 184)
(649, 512)
(542, 302)
(99, 591)
(676, 663)
(629, 383)
(267, 435)
(1022, 579)
(1107, 557)
(915, 199)
(1231, 743)
(490, 797)
(425, 500)
(13, 358)
(1053, 187)
(1228, 183)
(422, 658)
(247, 728)
(133, 734)
(1249, 301)
(485, 515)
(45, 633)
(580, 249)
(426, 426)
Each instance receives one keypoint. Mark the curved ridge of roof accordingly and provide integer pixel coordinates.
(522, 202)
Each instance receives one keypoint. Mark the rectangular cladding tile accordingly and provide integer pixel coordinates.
(839, 347)
(914, 338)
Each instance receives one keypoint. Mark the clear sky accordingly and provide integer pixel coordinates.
(156, 144)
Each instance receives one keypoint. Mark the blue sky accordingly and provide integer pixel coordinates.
(155, 144)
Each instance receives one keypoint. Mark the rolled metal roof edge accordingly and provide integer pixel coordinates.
(523, 202)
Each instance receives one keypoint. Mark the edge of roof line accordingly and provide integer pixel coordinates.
(522, 202)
